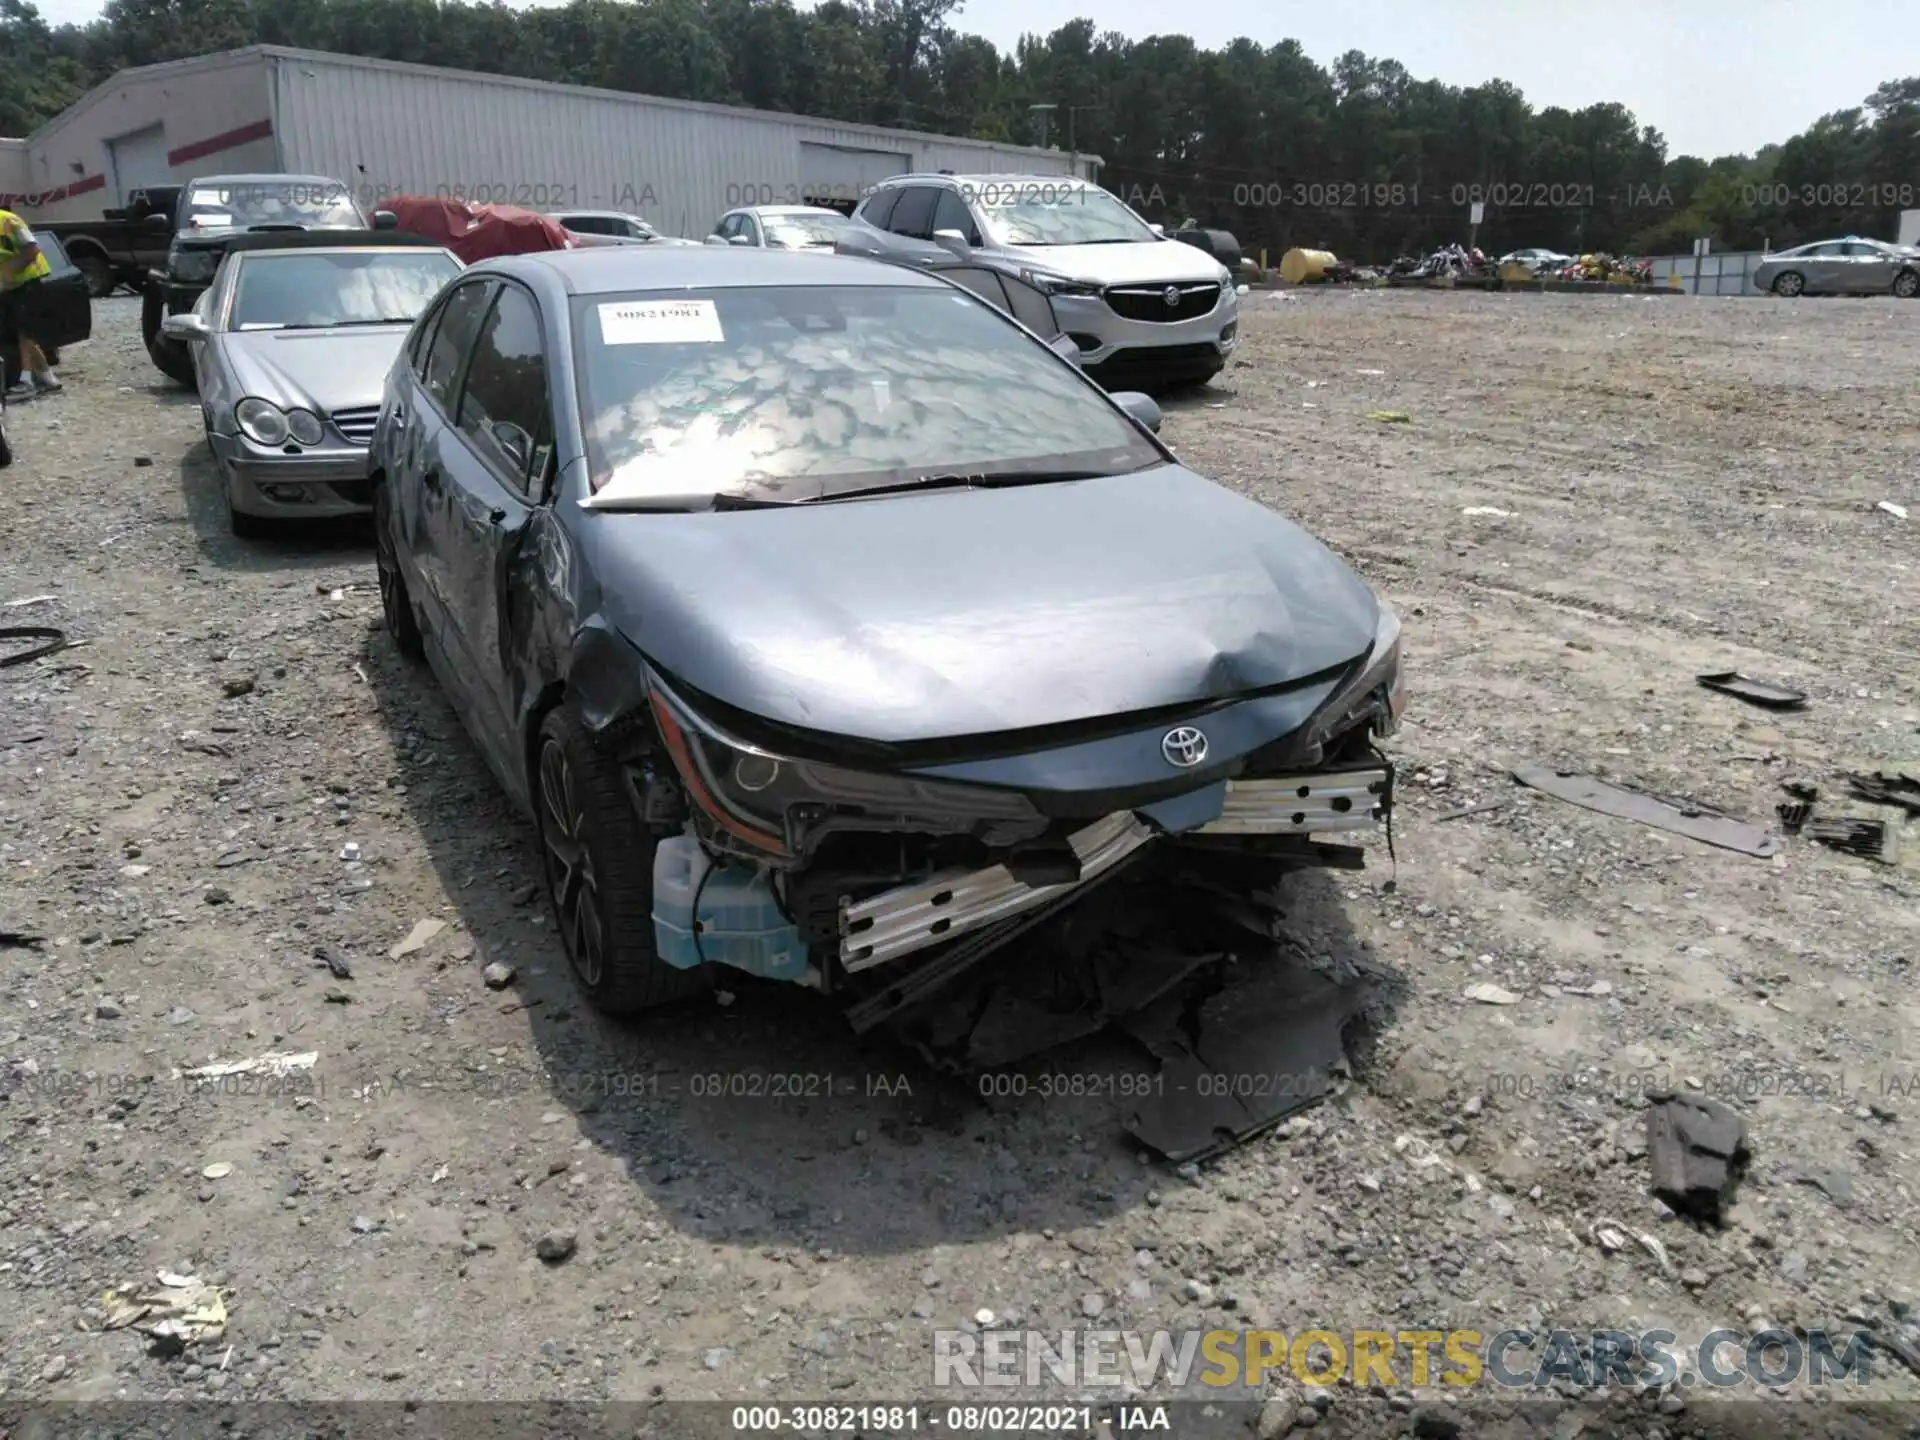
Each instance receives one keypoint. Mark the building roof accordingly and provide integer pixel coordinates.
(286, 53)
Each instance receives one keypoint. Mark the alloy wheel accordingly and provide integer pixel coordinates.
(570, 874)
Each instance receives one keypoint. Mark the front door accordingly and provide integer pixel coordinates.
(495, 458)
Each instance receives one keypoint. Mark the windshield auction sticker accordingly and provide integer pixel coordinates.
(661, 322)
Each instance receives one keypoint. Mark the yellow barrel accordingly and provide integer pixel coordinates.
(1298, 266)
(1513, 272)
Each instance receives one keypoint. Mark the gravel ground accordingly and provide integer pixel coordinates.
(234, 772)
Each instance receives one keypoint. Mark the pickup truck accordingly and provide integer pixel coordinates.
(212, 211)
(123, 245)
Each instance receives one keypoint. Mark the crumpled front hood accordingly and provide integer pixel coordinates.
(318, 370)
(963, 613)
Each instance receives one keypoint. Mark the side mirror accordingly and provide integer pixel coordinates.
(385, 220)
(740, 240)
(185, 327)
(715, 240)
(953, 241)
(1063, 346)
(1143, 408)
(159, 222)
(1159, 230)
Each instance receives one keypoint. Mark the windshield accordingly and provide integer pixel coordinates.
(796, 231)
(798, 393)
(311, 205)
(292, 290)
(1037, 212)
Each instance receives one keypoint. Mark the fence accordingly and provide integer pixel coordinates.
(1726, 274)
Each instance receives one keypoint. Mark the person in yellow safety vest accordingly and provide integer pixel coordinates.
(23, 268)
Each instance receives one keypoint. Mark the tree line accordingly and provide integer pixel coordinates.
(1358, 157)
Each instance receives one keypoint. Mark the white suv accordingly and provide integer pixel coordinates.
(1142, 308)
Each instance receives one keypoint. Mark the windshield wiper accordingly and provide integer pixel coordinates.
(962, 482)
(384, 320)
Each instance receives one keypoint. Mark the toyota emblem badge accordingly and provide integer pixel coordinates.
(1172, 296)
(1184, 748)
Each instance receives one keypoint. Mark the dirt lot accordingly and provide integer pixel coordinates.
(1688, 486)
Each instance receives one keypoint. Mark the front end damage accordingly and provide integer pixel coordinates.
(888, 875)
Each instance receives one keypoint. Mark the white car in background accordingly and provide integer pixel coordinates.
(613, 226)
(1145, 310)
(781, 227)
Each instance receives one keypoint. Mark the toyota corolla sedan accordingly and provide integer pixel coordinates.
(290, 347)
(822, 617)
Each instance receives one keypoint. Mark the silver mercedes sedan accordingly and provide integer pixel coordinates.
(291, 345)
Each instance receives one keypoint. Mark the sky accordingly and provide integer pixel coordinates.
(1714, 78)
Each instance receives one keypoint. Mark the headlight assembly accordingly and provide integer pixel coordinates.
(1380, 687)
(770, 802)
(262, 421)
(193, 267)
(305, 427)
(1050, 284)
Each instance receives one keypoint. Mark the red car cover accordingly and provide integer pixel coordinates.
(477, 232)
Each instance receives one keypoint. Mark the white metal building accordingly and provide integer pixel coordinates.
(386, 128)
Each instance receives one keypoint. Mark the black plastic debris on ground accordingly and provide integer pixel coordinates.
(1869, 839)
(1884, 789)
(1794, 815)
(1692, 819)
(1185, 958)
(1755, 692)
(1697, 1154)
(48, 641)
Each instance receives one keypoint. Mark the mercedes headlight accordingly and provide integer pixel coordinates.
(262, 421)
(305, 427)
(769, 802)
(1376, 695)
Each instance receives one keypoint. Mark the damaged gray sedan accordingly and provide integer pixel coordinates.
(835, 629)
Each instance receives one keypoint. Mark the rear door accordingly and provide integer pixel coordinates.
(422, 496)
(496, 456)
(1825, 267)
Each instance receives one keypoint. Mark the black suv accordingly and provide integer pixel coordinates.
(213, 210)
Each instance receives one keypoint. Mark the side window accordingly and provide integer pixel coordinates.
(453, 338)
(1864, 251)
(729, 227)
(951, 213)
(983, 283)
(1032, 308)
(1827, 251)
(914, 214)
(750, 227)
(503, 406)
(422, 342)
(879, 207)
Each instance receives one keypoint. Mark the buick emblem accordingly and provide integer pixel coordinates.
(1184, 748)
(1172, 297)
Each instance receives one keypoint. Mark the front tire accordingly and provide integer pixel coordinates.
(599, 868)
(1789, 284)
(1906, 284)
(395, 603)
